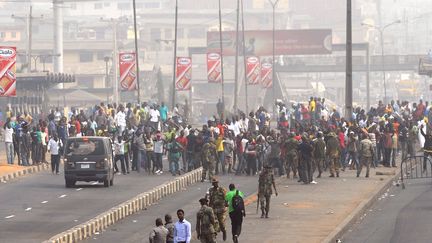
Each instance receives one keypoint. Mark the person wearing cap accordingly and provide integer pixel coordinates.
(209, 157)
(290, 148)
(319, 153)
(217, 202)
(265, 183)
(366, 153)
(333, 151)
(205, 223)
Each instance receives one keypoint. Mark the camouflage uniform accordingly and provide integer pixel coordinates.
(265, 182)
(209, 157)
(291, 160)
(333, 152)
(205, 224)
(217, 202)
(319, 155)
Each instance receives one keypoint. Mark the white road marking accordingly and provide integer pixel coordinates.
(44, 202)
(28, 209)
(78, 189)
(95, 183)
(62, 196)
(10, 216)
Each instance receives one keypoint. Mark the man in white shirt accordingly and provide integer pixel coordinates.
(8, 136)
(154, 118)
(54, 146)
(120, 119)
(182, 229)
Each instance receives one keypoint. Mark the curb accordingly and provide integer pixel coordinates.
(131, 206)
(359, 211)
(20, 173)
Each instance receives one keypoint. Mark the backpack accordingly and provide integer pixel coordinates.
(237, 202)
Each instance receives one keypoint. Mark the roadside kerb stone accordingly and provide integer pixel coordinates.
(358, 212)
(24, 171)
(127, 208)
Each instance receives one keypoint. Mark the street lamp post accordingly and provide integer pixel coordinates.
(381, 32)
(274, 4)
(136, 52)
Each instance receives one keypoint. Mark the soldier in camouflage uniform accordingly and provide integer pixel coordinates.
(333, 153)
(319, 153)
(205, 223)
(219, 205)
(265, 183)
(209, 157)
(291, 160)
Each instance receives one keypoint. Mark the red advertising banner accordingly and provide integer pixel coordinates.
(253, 70)
(127, 71)
(266, 75)
(287, 42)
(214, 67)
(183, 73)
(7, 71)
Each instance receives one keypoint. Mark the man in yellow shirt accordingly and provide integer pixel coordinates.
(221, 155)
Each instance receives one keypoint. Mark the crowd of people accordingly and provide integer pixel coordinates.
(309, 137)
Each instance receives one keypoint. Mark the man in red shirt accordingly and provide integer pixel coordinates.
(182, 139)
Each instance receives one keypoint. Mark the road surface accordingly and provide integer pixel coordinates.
(39, 206)
(400, 216)
(136, 228)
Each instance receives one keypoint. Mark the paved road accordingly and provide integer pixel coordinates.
(39, 206)
(137, 227)
(401, 216)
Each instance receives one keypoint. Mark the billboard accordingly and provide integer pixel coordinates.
(260, 42)
(253, 70)
(425, 66)
(266, 75)
(7, 71)
(214, 74)
(183, 73)
(127, 63)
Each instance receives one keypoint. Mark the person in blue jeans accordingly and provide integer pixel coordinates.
(174, 153)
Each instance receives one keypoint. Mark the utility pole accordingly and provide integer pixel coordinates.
(381, 32)
(236, 61)
(221, 55)
(136, 52)
(244, 61)
(29, 29)
(175, 57)
(348, 75)
(114, 25)
(29, 34)
(58, 37)
(367, 77)
(274, 4)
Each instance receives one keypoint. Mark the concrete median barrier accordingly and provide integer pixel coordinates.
(23, 171)
(127, 208)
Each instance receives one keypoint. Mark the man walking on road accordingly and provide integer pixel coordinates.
(159, 233)
(182, 229)
(209, 157)
(236, 210)
(265, 183)
(54, 146)
(366, 155)
(218, 203)
(333, 152)
(205, 223)
(8, 137)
